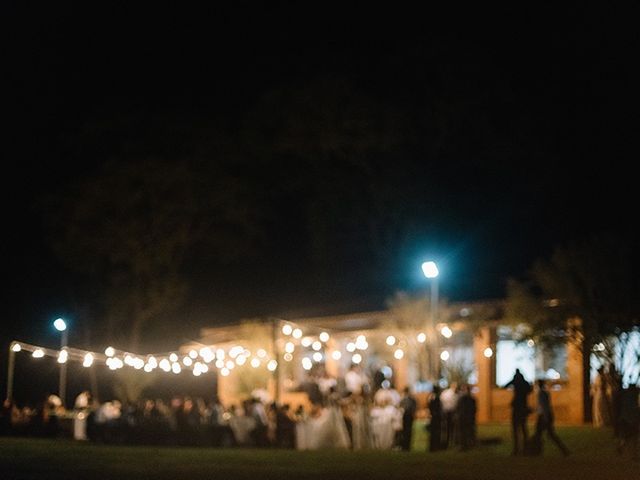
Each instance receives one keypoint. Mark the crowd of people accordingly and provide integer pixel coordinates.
(353, 412)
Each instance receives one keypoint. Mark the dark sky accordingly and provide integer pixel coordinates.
(531, 105)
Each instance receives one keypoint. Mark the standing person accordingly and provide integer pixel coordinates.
(466, 418)
(519, 410)
(435, 424)
(600, 400)
(544, 421)
(409, 406)
(449, 400)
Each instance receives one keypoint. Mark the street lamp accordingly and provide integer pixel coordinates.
(430, 270)
(60, 325)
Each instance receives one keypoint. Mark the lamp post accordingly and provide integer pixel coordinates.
(430, 270)
(60, 325)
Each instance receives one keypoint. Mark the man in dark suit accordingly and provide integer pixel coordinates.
(409, 406)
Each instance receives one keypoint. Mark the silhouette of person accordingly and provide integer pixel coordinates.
(435, 425)
(408, 405)
(519, 410)
(544, 421)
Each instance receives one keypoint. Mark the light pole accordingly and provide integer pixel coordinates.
(430, 270)
(60, 325)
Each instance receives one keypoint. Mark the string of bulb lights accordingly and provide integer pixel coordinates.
(198, 361)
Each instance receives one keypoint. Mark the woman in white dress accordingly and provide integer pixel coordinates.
(600, 406)
(327, 429)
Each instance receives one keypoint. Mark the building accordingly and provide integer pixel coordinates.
(472, 343)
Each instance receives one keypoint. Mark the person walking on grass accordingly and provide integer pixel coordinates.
(544, 421)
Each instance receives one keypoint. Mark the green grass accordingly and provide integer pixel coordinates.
(593, 456)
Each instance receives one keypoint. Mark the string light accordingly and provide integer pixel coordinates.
(88, 360)
(391, 340)
(422, 337)
(38, 353)
(16, 347)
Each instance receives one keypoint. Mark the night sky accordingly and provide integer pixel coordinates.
(508, 135)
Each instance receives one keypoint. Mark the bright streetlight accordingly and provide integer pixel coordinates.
(60, 325)
(430, 270)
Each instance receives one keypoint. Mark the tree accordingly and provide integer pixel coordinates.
(587, 292)
(130, 229)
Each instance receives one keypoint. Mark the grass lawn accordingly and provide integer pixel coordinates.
(593, 457)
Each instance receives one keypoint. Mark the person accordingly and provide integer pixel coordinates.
(435, 424)
(409, 406)
(466, 414)
(449, 401)
(519, 410)
(600, 401)
(354, 380)
(544, 422)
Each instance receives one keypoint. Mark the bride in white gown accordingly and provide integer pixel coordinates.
(326, 430)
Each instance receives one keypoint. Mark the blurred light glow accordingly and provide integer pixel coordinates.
(63, 356)
(287, 329)
(109, 351)
(324, 337)
(446, 332)
(193, 354)
(336, 355)
(272, 365)
(398, 354)
(444, 356)
(38, 353)
(316, 345)
(88, 360)
(60, 324)
(430, 269)
(297, 333)
(488, 352)
(356, 358)
(391, 340)
(255, 363)
(16, 347)
(422, 337)
(317, 356)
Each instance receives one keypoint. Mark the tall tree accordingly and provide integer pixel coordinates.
(130, 229)
(586, 292)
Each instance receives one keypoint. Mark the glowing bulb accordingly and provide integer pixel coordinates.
(241, 360)
(324, 337)
(38, 353)
(148, 368)
(351, 347)
(287, 329)
(356, 358)
(316, 345)
(261, 353)
(193, 354)
(175, 367)
(421, 337)
(289, 347)
(336, 355)
(272, 365)
(444, 356)
(255, 363)
(488, 352)
(398, 354)
(224, 372)
(187, 361)
(287, 357)
(297, 333)
(446, 332)
(317, 356)
(173, 357)
(60, 325)
(306, 363)
(306, 341)
(16, 347)
(88, 360)
(430, 269)
(391, 340)
(63, 356)
(109, 351)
